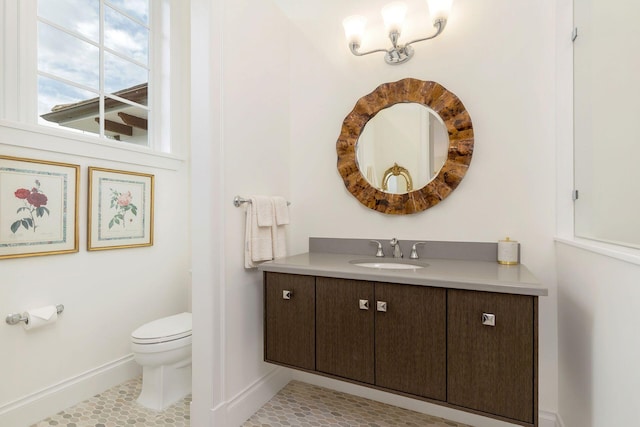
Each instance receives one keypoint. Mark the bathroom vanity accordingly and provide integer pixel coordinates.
(459, 332)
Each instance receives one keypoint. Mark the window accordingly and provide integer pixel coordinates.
(97, 71)
(93, 67)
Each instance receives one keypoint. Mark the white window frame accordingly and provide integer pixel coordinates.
(168, 63)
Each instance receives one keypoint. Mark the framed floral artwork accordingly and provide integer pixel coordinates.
(38, 207)
(120, 209)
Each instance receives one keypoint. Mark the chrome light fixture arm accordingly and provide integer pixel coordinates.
(399, 53)
(355, 46)
(439, 24)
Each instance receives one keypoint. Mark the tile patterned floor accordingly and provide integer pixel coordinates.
(117, 407)
(296, 405)
(304, 405)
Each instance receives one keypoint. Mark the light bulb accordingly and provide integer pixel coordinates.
(354, 28)
(393, 15)
(439, 9)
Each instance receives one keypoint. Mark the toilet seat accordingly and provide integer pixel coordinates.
(171, 328)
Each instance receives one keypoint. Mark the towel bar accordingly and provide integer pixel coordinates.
(238, 201)
(14, 319)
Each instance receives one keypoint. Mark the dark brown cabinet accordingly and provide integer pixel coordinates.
(290, 323)
(492, 353)
(469, 350)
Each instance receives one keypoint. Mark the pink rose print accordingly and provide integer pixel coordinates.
(34, 201)
(121, 202)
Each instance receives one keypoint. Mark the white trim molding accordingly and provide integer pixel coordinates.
(20, 136)
(622, 253)
(548, 419)
(242, 406)
(36, 406)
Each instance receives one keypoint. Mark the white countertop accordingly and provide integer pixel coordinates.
(446, 273)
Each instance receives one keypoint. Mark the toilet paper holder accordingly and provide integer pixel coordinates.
(15, 318)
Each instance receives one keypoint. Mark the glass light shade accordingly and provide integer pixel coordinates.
(439, 9)
(354, 28)
(393, 15)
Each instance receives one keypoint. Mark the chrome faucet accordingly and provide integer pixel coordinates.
(379, 252)
(414, 250)
(395, 244)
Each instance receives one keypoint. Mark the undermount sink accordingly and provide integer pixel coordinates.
(387, 265)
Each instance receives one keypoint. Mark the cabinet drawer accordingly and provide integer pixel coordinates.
(290, 318)
(491, 346)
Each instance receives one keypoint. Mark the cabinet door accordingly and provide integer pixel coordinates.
(290, 319)
(344, 333)
(491, 368)
(411, 343)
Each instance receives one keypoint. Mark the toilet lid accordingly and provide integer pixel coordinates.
(165, 329)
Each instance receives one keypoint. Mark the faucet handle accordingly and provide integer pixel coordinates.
(414, 250)
(379, 252)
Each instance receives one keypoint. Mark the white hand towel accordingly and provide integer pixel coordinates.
(279, 231)
(264, 210)
(258, 245)
(281, 210)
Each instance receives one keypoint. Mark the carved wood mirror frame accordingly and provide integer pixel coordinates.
(455, 118)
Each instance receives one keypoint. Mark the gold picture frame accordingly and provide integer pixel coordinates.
(38, 207)
(120, 213)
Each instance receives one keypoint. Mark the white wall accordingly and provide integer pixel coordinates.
(599, 342)
(498, 58)
(106, 294)
(256, 158)
(598, 294)
(240, 147)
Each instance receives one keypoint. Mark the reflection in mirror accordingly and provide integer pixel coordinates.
(391, 182)
(409, 134)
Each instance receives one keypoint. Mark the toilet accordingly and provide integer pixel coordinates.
(163, 349)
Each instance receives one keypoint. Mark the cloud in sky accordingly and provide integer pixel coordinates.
(80, 16)
(125, 36)
(139, 9)
(71, 58)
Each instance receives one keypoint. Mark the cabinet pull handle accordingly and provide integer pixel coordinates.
(364, 304)
(488, 319)
(287, 294)
(381, 306)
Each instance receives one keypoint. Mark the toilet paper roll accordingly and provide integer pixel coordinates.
(41, 316)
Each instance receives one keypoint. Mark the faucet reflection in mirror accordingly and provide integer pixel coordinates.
(393, 15)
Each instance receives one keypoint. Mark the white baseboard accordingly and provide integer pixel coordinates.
(243, 405)
(560, 421)
(548, 419)
(50, 400)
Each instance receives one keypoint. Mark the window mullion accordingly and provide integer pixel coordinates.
(124, 13)
(126, 58)
(27, 78)
(68, 82)
(66, 30)
(101, 74)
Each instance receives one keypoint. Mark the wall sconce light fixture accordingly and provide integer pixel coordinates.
(393, 15)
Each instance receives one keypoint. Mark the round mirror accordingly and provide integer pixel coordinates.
(402, 147)
(388, 185)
